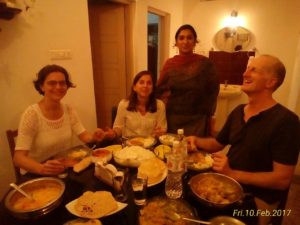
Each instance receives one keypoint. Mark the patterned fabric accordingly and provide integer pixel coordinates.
(191, 85)
(44, 138)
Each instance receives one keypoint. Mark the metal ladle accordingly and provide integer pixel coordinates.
(13, 185)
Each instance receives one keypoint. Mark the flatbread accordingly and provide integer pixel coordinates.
(95, 204)
(154, 168)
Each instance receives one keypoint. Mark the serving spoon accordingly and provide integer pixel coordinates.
(175, 216)
(13, 185)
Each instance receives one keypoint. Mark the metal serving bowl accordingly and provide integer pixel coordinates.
(32, 185)
(225, 220)
(216, 190)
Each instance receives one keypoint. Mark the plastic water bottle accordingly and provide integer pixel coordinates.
(183, 146)
(175, 164)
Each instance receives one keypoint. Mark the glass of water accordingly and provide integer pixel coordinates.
(139, 187)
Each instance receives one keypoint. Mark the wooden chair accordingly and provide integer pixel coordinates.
(11, 136)
(114, 110)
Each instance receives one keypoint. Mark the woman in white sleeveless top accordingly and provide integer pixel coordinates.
(48, 126)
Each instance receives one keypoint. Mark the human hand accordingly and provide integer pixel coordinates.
(98, 135)
(109, 133)
(221, 163)
(52, 167)
(158, 131)
(191, 143)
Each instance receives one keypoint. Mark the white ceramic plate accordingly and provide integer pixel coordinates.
(167, 139)
(205, 163)
(71, 208)
(145, 142)
(164, 175)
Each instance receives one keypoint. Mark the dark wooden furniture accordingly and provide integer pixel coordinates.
(11, 138)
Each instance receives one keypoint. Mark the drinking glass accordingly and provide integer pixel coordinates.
(139, 187)
(120, 186)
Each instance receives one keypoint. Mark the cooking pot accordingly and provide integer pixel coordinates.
(33, 186)
(216, 190)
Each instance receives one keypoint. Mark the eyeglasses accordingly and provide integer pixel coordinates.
(53, 83)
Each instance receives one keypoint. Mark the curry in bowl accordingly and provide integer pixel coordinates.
(46, 195)
(216, 189)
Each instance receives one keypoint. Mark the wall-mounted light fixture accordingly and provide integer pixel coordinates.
(233, 20)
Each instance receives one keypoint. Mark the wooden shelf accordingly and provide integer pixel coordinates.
(8, 13)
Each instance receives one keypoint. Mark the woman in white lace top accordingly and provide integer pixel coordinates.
(48, 126)
(141, 114)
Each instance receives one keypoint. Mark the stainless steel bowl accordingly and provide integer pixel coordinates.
(13, 196)
(223, 191)
(225, 220)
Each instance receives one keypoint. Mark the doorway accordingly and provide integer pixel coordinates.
(108, 45)
(152, 37)
(158, 40)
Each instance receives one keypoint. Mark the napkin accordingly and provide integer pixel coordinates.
(105, 172)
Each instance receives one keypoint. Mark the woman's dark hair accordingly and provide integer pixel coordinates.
(186, 27)
(45, 71)
(133, 100)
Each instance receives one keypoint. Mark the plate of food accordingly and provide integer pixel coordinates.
(113, 148)
(168, 139)
(199, 161)
(145, 142)
(73, 155)
(155, 169)
(132, 156)
(94, 205)
(101, 154)
(81, 221)
(161, 150)
(161, 210)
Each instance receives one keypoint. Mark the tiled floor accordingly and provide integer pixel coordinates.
(293, 203)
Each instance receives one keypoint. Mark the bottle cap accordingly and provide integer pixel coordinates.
(180, 131)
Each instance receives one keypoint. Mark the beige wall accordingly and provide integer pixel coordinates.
(275, 25)
(24, 43)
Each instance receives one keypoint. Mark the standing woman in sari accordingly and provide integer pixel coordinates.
(189, 86)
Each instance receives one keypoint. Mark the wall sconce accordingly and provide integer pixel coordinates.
(234, 20)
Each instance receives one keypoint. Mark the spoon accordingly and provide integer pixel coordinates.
(176, 216)
(13, 185)
(196, 221)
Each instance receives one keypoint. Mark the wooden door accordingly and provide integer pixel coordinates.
(107, 31)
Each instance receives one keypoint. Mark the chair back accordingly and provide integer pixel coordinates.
(11, 138)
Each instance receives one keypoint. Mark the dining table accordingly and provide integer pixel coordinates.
(77, 183)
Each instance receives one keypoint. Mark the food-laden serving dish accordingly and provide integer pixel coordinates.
(81, 221)
(145, 142)
(164, 211)
(94, 205)
(114, 148)
(132, 156)
(73, 155)
(223, 220)
(217, 190)
(168, 139)
(101, 154)
(155, 169)
(199, 161)
(161, 150)
(47, 194)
